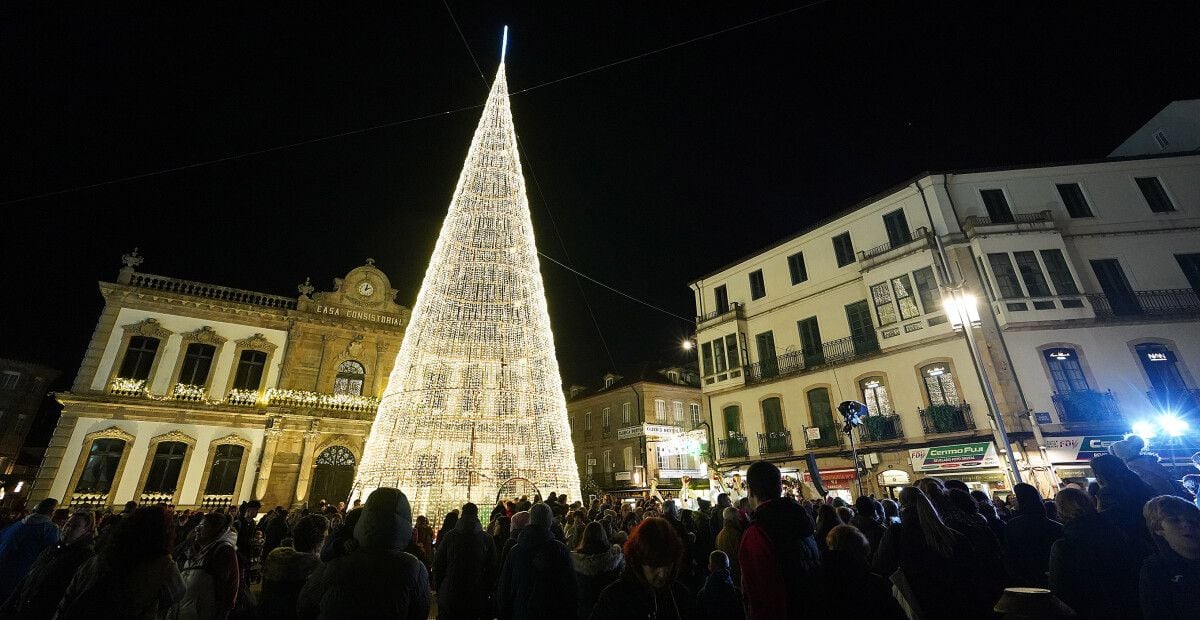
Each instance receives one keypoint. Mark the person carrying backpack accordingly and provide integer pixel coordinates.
(210, 573)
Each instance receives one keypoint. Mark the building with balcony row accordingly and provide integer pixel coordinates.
(1086, 275)
(203, 395)
(636, 425)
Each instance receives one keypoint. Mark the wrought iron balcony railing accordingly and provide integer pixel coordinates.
(942, 419)
(735, 310)
(734, 447)
(1146, 304)
(1040, 217)
(832, 352)
(920, 234)
(777, 442)
(1086, 406)
(1180, 402)
(880, 428)
(829, 437)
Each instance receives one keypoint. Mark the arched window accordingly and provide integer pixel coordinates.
(165, 468)
(939, 384)
(1065, 370)
(227, 463)
(250, 370)
(350, 377)
(875, 396)
(733, 419)
(139, 358)
(101, 466)
(197, 361)
(1161, 368)
(772, 410)
(336, 456)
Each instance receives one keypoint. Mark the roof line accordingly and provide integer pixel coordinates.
(929, 173)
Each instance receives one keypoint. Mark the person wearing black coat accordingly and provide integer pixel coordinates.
(464, 569)
(1093, 567)
(38, 594)
(376, 579)
(1028, 538)
(869, 520)
(848, 587)
(1170, 579)
(649, 586)
(719, 599)
(1120, 498)
(597, 564)
(537, 578)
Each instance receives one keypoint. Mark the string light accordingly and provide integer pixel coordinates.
(475, 398)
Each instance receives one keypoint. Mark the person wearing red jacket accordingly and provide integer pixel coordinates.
(778, 554)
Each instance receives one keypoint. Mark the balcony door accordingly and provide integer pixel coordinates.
(810, 341)
(1065, 370)
(862, 331)
(896, 226)
(1115, 285)
(821, 410)
(1161, 368)
(721, 297)
(766, 354)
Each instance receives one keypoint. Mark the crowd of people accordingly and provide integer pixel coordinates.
(1126, 546)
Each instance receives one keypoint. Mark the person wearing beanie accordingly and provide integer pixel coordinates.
(464, 569)
(538, 576)
(1147, 466)
(376, 579)
(520, 520)
(22, 542)
(649, 585)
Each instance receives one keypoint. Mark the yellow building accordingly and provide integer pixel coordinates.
(204, 395)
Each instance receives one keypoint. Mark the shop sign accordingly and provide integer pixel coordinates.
(833, 476)
(687, 443)
(649, 430)
(1078, 449)
(894, 478)
(954, 457)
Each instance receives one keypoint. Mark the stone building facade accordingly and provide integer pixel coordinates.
(23, 387)
(204, 395)
(631, 428)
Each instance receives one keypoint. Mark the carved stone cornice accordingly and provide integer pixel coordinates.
(111, 432)
(174, 436)
(148, 327)
(258, 342)
(204, 335)
(232, 438)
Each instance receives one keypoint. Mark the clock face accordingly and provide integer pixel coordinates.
(366, 289)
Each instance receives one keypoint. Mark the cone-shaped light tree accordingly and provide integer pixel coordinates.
(475, 400)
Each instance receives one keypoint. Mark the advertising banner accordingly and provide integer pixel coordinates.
(954, 457)
(1078, 449)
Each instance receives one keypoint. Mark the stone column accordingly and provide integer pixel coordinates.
(306, 461)
(270, 445)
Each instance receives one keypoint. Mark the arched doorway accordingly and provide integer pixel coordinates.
(333, 477)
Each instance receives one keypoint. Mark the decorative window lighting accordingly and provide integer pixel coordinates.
(961, 309)
(476, 373)
(936, 371)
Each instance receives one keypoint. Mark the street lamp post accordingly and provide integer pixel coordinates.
(963, 312)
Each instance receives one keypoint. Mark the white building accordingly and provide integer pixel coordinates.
(1090, 271)
(1175, 129)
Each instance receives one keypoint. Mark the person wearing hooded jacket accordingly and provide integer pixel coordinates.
(1120, 499)
(1028, 538)
(649, 585)
(464, 569)
(597, 563)
(376, 579)
(1093, 567)
(210, 572)
(778, 554)
(38, 593)
(537, 576)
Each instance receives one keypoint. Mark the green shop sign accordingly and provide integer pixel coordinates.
(958, 456)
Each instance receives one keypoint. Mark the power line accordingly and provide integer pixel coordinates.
(200, 164)
(619, 292)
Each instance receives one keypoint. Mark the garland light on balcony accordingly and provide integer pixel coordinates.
(475, 398)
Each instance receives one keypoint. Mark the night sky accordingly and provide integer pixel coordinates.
(656, 171)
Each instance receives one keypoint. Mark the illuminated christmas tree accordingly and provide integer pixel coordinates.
(475, 399)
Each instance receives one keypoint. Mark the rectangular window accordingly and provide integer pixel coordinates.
(796, 268)
(843, 249)
(607, 461)
(997, 206)
(250, 370)
(927, 289)
(1190, 264)
(606, 418)
(1155, 194)
(1060, 274)
(881, 296)
(904, 297)
(721, 298)
(1006, 276)
(9, 380)
(660, 410)
(695, 413)
(139, 357)
(731, 350)
(896, 226)
(1031, 274)
(706, 351)
(677, 409)
(810, 341)
(628, 456)
(196, 363)
(1073, 200)
(626, 411)
(758, 288)
(587, 421)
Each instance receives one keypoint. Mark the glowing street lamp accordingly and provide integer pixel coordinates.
(961, 309)
(1173, 425)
